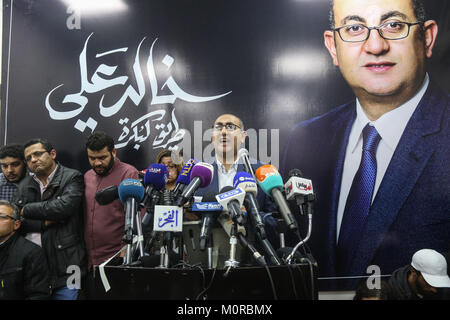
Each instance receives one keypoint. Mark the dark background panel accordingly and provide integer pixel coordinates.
(269, 53)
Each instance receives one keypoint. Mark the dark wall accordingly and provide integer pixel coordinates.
(269, 56)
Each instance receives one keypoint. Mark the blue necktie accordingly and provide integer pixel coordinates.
(358, 201)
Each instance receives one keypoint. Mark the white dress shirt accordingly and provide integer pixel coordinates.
(390, 127)
(224, 177)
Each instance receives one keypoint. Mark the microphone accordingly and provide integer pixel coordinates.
(245, 181)
(298, 188)
(184, 177)
(301, 190)
(208, 219)
(201, 176)
(155, 178)
(232, 199)
(258, 257)
(271, 183)
(107, 195)
(243, 154)
(131, 191)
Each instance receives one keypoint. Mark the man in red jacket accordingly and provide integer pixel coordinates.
(104, 224)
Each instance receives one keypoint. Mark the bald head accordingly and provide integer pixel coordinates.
(228, 135)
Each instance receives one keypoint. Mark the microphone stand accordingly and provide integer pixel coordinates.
(309, 199)
(128, 237)
(210, 251)
(281, 227)
(134, 236)
(232, 262)
(140, 235)
(269, 250)
(260, 231)
(165, 249)
(148, 219)
(256, 255)
(259, 225)
(167, 243)
(180, 248)
(262, 237)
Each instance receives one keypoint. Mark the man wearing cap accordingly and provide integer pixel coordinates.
(422, 278)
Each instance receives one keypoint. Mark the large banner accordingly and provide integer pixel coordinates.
(151, 73)
(156, 74)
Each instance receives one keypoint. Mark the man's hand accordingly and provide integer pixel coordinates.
(190, 216)
(49, 223)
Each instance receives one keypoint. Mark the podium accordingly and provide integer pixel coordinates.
(295, 281)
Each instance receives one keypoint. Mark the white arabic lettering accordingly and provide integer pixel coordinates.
(104, 77)
(98, 83)
(140, 130)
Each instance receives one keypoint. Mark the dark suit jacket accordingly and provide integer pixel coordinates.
(411, 210)
(266, 206)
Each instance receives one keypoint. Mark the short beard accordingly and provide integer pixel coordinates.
(107, 169)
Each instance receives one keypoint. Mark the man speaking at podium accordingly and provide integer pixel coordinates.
(379, 163)
(228, 135)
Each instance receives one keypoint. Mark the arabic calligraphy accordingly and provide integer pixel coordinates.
(106, 76)
(139, 130)
(169, 217)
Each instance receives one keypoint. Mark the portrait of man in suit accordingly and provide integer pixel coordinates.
(379, 163)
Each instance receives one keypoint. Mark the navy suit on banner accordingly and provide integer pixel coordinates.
(266, 206)
(411, 209)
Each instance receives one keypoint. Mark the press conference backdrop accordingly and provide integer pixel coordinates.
(156, 74)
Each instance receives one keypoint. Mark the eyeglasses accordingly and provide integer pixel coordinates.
(171, 167)
(390, 31)
(230, 127)
(6, 217)
(36, 154)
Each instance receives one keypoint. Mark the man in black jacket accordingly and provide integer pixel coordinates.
(424, 278)
(23, 266)
(52, 212)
